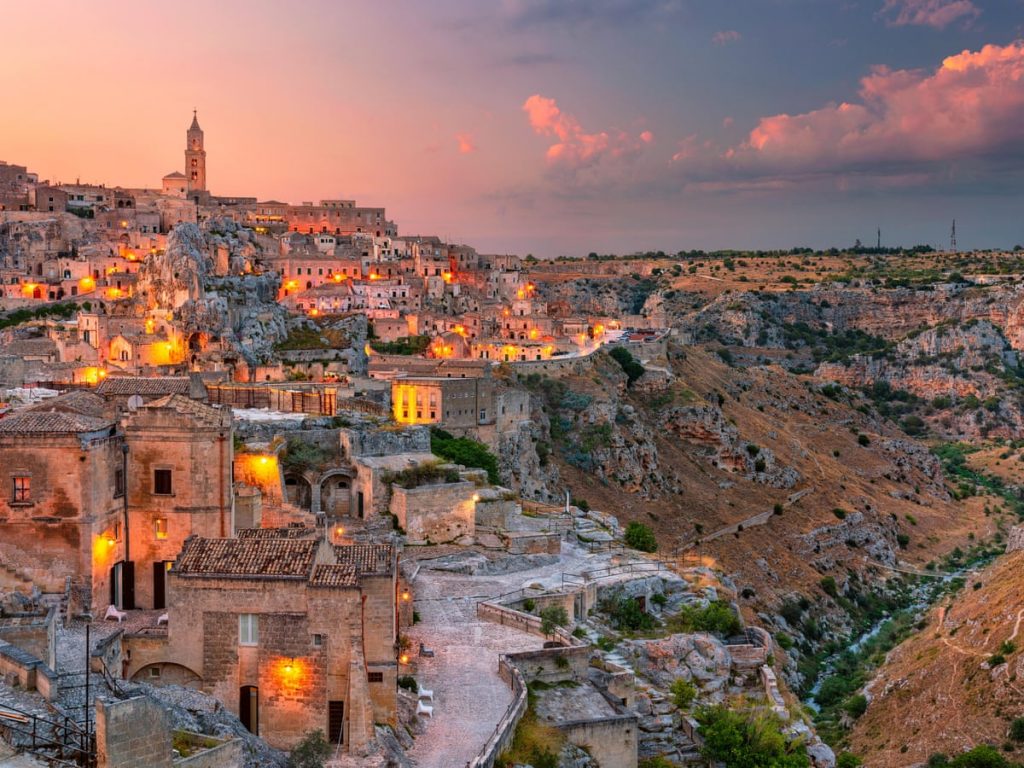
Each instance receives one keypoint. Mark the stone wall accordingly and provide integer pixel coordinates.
(35, 634)
(367, 441)
(554, 665)
(435, 513)
(610, 741)
(225, 755)
(132, 733)
(506, 728)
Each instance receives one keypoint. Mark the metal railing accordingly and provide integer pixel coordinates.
(60, 742)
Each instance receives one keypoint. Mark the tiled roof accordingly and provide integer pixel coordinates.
(334, 576)
(78, 401)
(143, 385)
(365, 558)
(246, 557)
(35, 423)
(204, 414)
(291, 532)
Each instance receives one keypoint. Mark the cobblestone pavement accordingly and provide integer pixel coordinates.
(469, 697)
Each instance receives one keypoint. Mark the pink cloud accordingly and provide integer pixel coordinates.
(929, 13)
(726, 36)
(970, 107)
(466, 143)
(574, 148)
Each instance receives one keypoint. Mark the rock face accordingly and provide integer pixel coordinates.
(700, 658)
(1015, 541)
(167, 280)
(705, 427)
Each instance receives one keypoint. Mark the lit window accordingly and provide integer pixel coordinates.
(160, 527)
(22, 488)
(248, 629)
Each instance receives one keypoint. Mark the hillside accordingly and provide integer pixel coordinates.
(956, 684)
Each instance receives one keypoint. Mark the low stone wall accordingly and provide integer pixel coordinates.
(506, 728)
(435, 513)
(610, 741)
(132, 733)
(554, 367)
(227, 754)
(524, 622)
(553, 665)
(21, 667)
(771, 689)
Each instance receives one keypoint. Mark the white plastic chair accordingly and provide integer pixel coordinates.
(423, 709)
(426, 694)
(164, 618)
(113, 613)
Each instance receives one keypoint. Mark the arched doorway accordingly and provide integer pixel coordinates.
(336, 495)
(167, 674)
(249, 708)
(298, 491)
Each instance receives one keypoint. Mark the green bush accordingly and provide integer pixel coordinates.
(683, 692)
(311, 752)
(529, 605)
(552, 617)
(626, 614)
(982, 756)
(716, 617)
(855, 706)
(464, 451)
(1017, 729)
(848, 760)
(628, 363)
(863, 439)
(639, 536)
(785, 642)
(748, 740)
(828, 586)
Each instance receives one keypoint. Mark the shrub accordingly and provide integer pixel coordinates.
(529, 605)
(311, 752)
(639, 536)
(903, 540)
(828, 586)
(551, 617)
(856, 706)
(630, 366)
(777, 509)
(759, 465)
(717, 617)
(464, 451)
(982, 756)
(784, 641)
(1017, 729)
(863, 439)
(840, 513)
(659, 599)
(848, 760)
(747, 739)
(683, 692)
(626, 614)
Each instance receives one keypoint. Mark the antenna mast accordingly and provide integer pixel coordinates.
(952, 238)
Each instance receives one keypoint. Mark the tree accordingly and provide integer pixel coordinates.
(639, 536)
(551, 617)
(311, 752)
(464, 451)
(748, 740)
(683, 692)
(628, 363)
(982, 756)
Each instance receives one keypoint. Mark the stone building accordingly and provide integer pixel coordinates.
(451, 403)
(291, 634)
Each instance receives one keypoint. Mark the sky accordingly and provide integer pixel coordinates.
(548, 126)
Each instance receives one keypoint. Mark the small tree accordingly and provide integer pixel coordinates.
(683, 692)
(311, 752)
(551, 617)
(639, 536)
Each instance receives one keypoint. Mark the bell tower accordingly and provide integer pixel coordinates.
(195, 157)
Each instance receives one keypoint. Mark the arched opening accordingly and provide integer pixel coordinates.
(166, 673)
(298, 491)
(336, 496)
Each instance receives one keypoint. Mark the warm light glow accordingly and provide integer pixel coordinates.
(534, 333)
(29, 288)
(460, 330)
(114, 293)
(447, 277)
(259, 469)
(339, 531)
(150, 325)
(374, 276)
(86, 284)
(313, 312)
(337, 277)
(110, 541)
(406, 596)
(404, 658)
(92, 375)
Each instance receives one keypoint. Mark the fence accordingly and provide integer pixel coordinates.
(60, 742)
(506, 727)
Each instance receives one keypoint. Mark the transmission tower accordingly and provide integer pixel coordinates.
(952, 237)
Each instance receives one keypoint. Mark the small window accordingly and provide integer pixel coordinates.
(375, 677)
(154, 671)
(22, 489)
(162, 482)
(160, 528)
(248, 629)
(318, 641)
(118, 478)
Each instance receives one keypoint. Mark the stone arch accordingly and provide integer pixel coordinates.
(336, 492)
(298, 489)
(167, 673)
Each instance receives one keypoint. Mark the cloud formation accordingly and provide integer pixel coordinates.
(905, 122)
(726, 36)
(928, 13)
(466, 143)
(574, 149)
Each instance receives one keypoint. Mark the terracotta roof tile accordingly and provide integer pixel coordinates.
(334, 576)
(365, 558)
(291, 532)
(280, 558)
(143, 385)
(34, 423)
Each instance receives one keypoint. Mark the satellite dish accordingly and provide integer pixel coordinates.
(135, 402)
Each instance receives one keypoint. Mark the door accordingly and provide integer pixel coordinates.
(160, 569)
(116, 583)
(359, 504)
(249, 708)
(127, 586)
(336, 722)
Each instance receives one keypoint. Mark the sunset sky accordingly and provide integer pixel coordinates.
(548, 126)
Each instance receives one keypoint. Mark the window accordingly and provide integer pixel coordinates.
(162, 482)
(22, 489)
(375, 677)
(318, 641)
(154, 671)
(248, 629)
(118, 478)
(160, 528)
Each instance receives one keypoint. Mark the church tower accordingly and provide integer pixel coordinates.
(195, 157)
